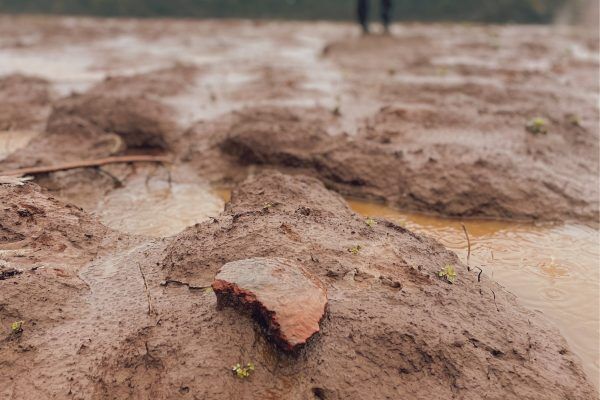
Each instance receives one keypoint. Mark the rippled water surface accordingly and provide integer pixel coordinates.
(554, 269)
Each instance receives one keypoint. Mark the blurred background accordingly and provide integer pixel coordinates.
(500, 11)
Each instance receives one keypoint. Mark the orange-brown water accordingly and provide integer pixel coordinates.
(554, 269)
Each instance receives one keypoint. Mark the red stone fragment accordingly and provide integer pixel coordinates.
(282, 295)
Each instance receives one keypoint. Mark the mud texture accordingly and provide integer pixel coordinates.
(24, 102)
(418, 120)
(508, 175)
(162, 334)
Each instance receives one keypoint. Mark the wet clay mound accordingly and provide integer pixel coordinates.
(457, 101)
(44, 242)
(274, 135)
(24, 102)
(394, 329)
(37, 228)
(139, 121)
(212, 147)
(55, 293)
(140, 322)
(88, 126)
(164, 82)
(392, 159)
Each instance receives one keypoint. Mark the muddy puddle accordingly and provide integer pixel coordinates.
(553, 269)
(158, 209)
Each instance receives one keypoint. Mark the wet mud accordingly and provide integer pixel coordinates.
(114, 263)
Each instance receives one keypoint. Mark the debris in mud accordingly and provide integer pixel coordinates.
(279, 293)
(9, 273)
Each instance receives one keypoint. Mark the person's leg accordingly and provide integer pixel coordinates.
(363, 14)
(386, 14)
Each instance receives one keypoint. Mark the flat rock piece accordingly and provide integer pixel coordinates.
(282, 295)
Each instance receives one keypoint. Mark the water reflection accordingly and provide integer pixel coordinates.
(158, 209)
(554, 269)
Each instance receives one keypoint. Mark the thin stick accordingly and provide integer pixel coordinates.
(496, 304)
(85, 164)
(468, 243)
(151, 310)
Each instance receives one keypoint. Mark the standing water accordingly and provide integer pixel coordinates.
(554, 269)
(158, 209)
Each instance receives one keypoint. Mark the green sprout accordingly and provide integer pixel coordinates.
(537, 126)
(449, 273)
(242, 372)
(17, 327)
(371, 223)
(266, 206)
(354, 249)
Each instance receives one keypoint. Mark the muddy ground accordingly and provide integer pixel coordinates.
(432, 119)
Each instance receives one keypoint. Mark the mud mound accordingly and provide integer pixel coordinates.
(433, 339)
(397, 158)
(139, 320)
(24, 102)
(47, 241)
(44, 229)
(275, 136)
(161, 83)
(139, 121)
(89, 126)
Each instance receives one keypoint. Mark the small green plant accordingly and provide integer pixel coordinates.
(449, 273)
(537, 126)
(17, 327)
(371, 223)
(266, 206)
(354, 249)
(242, 371)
